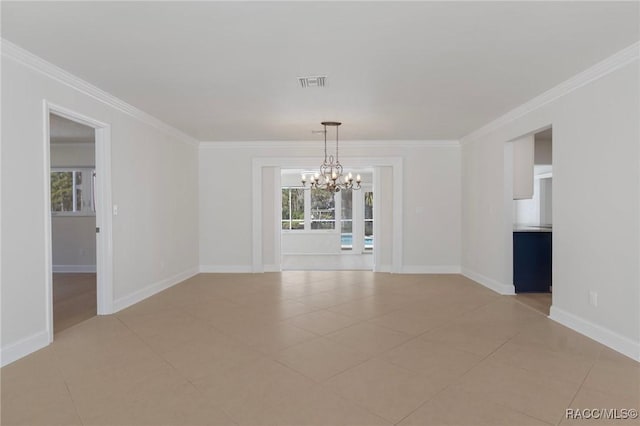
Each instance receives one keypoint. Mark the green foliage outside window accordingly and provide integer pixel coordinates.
(62, 191)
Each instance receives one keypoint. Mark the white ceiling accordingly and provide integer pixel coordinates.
(395, 70)
(62, 130)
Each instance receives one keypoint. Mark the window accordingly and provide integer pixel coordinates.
(292, 208)
(348, 214)
(368, 220)
(323, 211)
(72, 191)
(346, 219)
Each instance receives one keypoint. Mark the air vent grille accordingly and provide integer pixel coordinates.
(315, 81)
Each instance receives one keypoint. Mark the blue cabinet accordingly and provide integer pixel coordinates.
(532, 261)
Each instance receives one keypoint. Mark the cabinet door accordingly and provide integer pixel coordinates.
(532, 262)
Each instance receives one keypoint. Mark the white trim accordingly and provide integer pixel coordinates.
(490, 283)
(383, 268)
(377, 254)
(599, 70)
(48, 238)
(23, 347)
(600, 334)
(277, 222)
(431, 269)
(74, 269)
(398, 212)
(345, 145)
(73, 145)
(256, 219)
(28, 59)
(151, 289)
(226, 269)
(273, 268)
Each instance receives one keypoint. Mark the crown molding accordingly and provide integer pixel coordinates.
(599, 70)
(28, 59)
(344, 145)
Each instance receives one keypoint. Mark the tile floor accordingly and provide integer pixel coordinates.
(74, 299)
(318, 348)
(538, 301)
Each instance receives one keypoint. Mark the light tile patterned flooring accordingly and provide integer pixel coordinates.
(318, 348)
(74, 299)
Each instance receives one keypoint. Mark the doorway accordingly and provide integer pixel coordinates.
(321, 230)
(77, 218)
(73, 221)
(267, 215)
(532, 219)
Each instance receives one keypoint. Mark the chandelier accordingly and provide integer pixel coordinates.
(331, 177)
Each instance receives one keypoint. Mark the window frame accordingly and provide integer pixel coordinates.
(88, 186)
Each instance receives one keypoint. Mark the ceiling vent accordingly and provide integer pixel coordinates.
(316, 81)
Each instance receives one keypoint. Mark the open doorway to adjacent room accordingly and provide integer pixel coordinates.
(533, 219)
(321, 230)
(73, 221)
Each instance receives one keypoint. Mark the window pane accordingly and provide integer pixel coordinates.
(323, 212)
(61, 191)
(346, 221)
(368, 205)
(78, 189)
(347, 203)
(286, 203)
(368, 220)
(292, 208)
(297, 208)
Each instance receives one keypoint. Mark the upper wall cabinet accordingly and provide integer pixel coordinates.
(523, 159)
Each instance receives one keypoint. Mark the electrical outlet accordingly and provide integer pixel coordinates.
(593, 298)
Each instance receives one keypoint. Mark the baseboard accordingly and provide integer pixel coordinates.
(226, 269)
(431, 269)
(498, 287)
(600, 334)
(23, 347)
(272, 268)
(383, 268)
(74, 269)
(151, 289)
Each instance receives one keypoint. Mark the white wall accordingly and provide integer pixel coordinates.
(543, 151)
(73, 155)
(431, 213)
(154, 182)
(596, 191)
(73, 239)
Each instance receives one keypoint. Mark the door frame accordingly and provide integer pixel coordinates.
(104, 220)
(508, 209)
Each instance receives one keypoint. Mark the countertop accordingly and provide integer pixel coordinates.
(532, 228)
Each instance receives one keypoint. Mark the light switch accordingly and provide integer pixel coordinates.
(115, 210)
